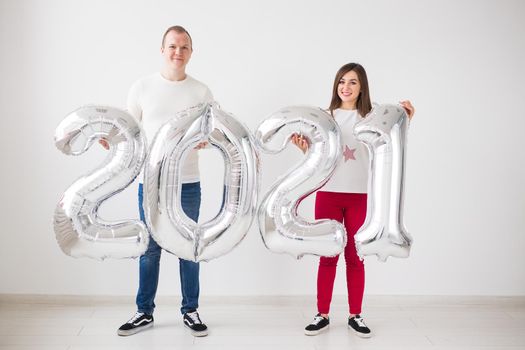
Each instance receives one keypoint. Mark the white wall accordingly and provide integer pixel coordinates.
(460, 62)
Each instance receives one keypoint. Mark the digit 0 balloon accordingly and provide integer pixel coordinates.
(170, 227)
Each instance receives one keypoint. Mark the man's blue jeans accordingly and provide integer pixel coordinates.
(150, 261)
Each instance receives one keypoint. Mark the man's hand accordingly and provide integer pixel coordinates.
(201, 145)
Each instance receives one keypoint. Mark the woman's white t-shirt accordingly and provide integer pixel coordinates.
(351, 174)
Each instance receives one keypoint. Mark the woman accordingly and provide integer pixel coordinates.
(344, 196)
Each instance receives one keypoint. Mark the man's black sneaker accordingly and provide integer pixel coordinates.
(192, 320)
(357, 324)
(318, 325)
(137, 323)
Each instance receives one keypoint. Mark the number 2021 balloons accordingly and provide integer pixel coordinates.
(81, 233)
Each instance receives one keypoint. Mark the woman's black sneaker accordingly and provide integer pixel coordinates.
(192, 320)
(318, 325)
(137, 323)
(357, 324)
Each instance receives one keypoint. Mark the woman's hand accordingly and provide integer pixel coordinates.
(300, 142)
(408, 108)
(104, 143)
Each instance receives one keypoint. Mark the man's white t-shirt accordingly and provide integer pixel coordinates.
(153, 100)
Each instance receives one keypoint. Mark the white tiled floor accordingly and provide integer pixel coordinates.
(398, 323)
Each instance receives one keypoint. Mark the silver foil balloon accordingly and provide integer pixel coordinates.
(79, 230)
(384, 131)
(170, 227)
(281, 228)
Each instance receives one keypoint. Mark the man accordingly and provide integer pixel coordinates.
(153, 100)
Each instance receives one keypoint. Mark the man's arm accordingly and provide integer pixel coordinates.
(133, 103)
(133, 108)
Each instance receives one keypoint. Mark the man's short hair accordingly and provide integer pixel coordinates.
(177, 29)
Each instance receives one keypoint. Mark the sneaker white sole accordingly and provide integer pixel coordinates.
(134, 330)
(195, 333)
(359, 334)
(316, 332)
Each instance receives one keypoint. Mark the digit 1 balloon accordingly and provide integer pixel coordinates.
(384, 131)
(170, 227)
(281, 228)
(79, 230)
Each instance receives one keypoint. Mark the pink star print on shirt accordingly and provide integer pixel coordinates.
(349, 153)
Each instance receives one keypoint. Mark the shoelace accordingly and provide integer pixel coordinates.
(317, 319)
(360, 322)
(136, 317)
(194, 317)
